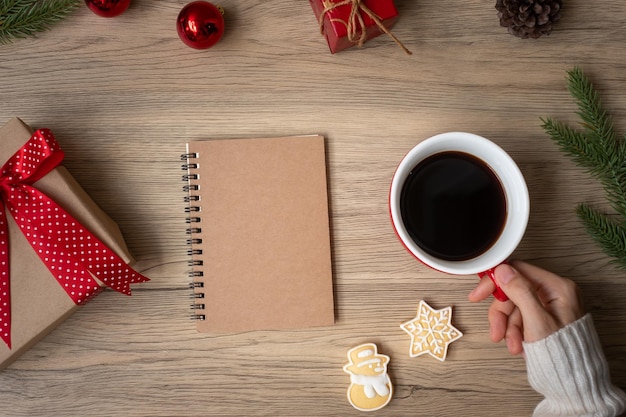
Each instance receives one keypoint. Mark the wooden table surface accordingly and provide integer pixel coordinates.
(123, 95)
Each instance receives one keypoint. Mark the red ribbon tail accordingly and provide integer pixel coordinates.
(125, 276)
(7, 341)
(6, 338)
(5, 294)
(5, 312)
(137, 278)
(72, 248)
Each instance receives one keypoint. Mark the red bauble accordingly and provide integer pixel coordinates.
(108, 8)
(200, 24)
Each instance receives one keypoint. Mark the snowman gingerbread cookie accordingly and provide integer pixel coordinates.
(370, 387)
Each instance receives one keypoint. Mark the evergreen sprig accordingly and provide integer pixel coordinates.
(22, 18)
(599, 150)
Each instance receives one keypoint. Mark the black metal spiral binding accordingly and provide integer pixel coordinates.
(194, 263)
(188, 187)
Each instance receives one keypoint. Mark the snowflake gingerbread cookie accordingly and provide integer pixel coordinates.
(370, 387)
(431, 331)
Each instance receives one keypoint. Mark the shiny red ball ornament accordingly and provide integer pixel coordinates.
(200, 24)
(108, 8)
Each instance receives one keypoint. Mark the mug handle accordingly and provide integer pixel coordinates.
(498, 294)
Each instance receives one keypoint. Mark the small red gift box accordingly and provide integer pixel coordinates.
(346, 23)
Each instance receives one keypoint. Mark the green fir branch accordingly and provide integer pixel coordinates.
(573, 143)
(22, 18)
(608, 234)
(609, 168)
(597, 149)
(595, 119)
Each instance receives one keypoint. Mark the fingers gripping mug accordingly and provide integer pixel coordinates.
(459, 204)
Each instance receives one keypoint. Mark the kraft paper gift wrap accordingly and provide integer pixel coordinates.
(38, 303)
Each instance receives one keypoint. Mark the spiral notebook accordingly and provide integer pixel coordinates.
(259, 233)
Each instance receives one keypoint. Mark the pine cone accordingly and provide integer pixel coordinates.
(528, 18)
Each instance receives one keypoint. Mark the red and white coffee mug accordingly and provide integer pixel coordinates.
(513, 186)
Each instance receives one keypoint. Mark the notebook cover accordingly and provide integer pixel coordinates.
(264, 232)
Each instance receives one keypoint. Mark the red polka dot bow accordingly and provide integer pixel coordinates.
(69, 251)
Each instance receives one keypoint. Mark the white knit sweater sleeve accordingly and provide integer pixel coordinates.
(570, 370)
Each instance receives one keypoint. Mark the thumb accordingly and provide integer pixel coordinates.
(522, 293)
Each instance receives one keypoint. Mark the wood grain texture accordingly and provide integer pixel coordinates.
(123, 96)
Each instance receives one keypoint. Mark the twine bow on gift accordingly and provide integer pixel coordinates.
(70, 252)
(355, 24)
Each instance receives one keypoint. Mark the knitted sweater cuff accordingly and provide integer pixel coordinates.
(570, 370)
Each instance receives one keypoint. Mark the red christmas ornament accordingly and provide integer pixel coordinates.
(200, 24)
(108, 8)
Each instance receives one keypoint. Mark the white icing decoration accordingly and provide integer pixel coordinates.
(373, 384)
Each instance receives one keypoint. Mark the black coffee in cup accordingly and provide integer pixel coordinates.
(453, 206)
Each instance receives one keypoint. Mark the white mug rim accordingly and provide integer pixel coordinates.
(510, 177)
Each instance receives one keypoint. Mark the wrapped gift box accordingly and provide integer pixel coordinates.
(336, 20)
(38, 302)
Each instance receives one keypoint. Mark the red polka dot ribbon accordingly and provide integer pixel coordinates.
(69, 251)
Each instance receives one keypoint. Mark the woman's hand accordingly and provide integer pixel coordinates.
(540, 303)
